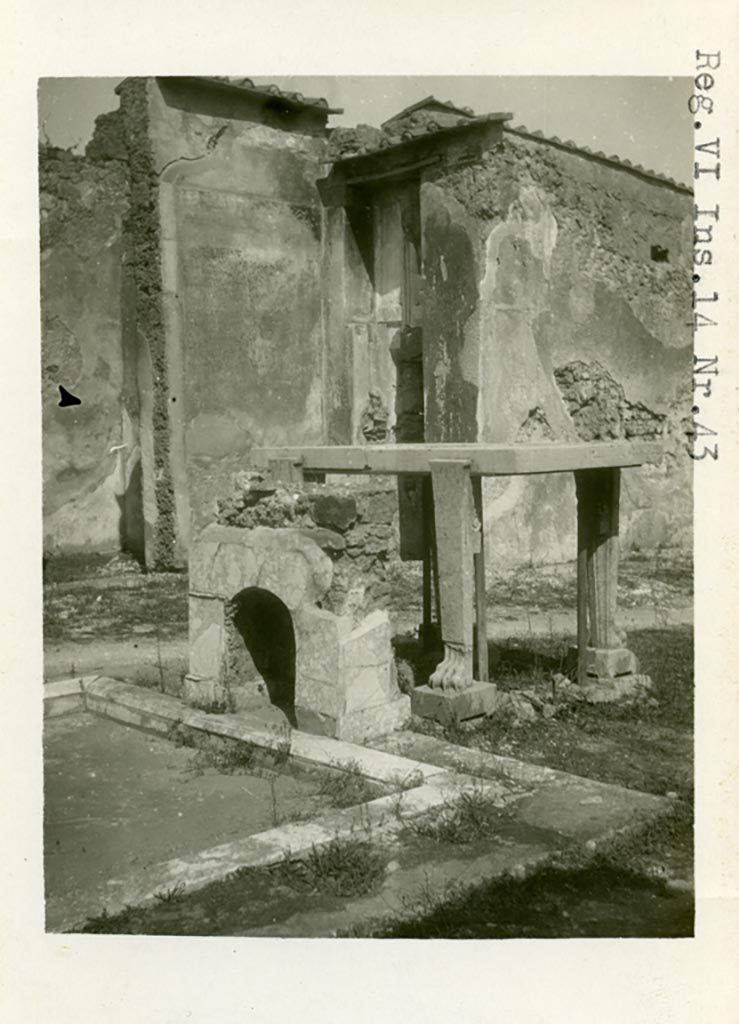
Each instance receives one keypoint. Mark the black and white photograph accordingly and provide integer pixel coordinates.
(368, 506)
(370, 463)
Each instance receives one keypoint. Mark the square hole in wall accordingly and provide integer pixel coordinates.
(660, 254)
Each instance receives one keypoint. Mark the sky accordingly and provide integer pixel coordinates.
(645, 120)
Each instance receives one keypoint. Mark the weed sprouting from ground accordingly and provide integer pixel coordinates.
(402, 783)
(180, 735)
(344, 867)
(346, 786)
(399, 785)
(226, 758)
(112, 924)
(223, 706)
(171, 895)
(471, 816)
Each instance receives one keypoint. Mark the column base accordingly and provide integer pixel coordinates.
(609, 690)
(605, 663)
(449, 706)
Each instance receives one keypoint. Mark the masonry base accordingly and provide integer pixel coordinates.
(357, 726)
(606, 663)
(447, 707)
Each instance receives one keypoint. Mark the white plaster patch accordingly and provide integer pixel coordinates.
(537, 224)
(90, 520)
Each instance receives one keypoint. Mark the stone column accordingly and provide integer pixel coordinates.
(453, 692)
(602, 655)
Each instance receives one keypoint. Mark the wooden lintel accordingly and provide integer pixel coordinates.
(393, 172)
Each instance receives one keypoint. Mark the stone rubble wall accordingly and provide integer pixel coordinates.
(356, 524)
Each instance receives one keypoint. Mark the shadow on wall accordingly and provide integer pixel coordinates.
(131, 516)
(265, 625)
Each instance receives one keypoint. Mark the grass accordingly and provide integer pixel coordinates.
(147, 606)
(254, 897)
(344, 867)
(171, 895)
(623, 889)
(662, 580)
(80, 603)
(215, 707)
(646, 746)
(471, 816)
(346, 786)
(226, 758)
(599, 901)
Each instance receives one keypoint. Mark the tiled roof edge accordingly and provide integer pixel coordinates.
(408, 134)
(613, 161)
(294, 100)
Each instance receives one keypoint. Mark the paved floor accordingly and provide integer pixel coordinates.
(118, 800)
(123, 804)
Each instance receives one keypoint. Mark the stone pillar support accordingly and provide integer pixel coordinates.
(453, 692)
(601, 652)
(458, 540)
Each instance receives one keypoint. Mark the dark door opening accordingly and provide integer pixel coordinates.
(265, 625)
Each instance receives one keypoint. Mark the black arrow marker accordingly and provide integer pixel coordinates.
(68, 398)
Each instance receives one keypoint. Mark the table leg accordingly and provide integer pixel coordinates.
(455, 545)
(601, 651)
(481, 618)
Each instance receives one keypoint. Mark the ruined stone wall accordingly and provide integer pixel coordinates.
(91, 492)
(355, 523)
(240, 223)
(559, 308)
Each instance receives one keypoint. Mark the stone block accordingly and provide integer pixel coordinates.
(370, 539)
(200, 690)
(315, 722)
(370, 642)
(202, 554)
(608, 691)
(63, 705)
(203, 612)
(326, 698)
(207, 652)
(447, 707)
(606, 663)
(226, 560)
(334, 511)
(234, 568)
(328, 540)
(369, 686)
(248, 695)
(292, 566)
(319, 636)
(362, 725)
(378, 506)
